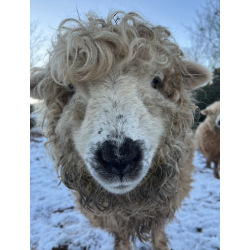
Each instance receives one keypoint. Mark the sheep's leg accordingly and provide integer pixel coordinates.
(159, 240)
(216, 170)
(122, 242)
(208, 164)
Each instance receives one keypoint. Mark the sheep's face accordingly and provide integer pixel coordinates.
(213, 115)
(129, 94)
(118, 125)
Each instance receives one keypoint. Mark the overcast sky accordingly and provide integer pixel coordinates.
(173, 14)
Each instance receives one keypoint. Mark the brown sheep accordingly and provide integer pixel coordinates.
(207, 137)
(117, 110)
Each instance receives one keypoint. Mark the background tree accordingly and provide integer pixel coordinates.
(37, 43)
(205, 35)
(206, 96)
(205, 49)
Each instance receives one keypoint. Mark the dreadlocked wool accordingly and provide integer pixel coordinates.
(87, 58)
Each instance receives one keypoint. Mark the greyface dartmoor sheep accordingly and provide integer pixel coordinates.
(207, 137)
(117, 110)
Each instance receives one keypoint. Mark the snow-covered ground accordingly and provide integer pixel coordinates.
(55, 224)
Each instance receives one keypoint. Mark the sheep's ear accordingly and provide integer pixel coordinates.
(205, 112)
(37, 75)
(195, 75)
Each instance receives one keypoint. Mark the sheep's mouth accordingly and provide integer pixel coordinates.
(112, 180)
(120, 188)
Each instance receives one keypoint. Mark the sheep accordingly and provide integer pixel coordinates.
(207, 137)
(117, 112)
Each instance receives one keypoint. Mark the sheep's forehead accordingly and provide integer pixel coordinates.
(122, 89)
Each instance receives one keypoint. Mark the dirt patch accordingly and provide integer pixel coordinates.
(62, 210)
(34, 135)
(64, 247)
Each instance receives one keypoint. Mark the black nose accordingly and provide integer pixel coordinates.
(219, 122)
(116, 158)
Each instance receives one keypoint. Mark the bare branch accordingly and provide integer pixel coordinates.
(37, 41)
(205, 34)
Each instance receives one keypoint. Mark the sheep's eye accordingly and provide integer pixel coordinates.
(71, 87)
(156, 81)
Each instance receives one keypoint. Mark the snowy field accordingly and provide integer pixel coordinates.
(55, 224)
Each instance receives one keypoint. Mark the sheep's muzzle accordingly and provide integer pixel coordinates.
(118, 163)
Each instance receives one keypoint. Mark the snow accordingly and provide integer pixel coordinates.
(55, 221)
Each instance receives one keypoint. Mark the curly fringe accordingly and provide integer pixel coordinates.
(102, 44)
